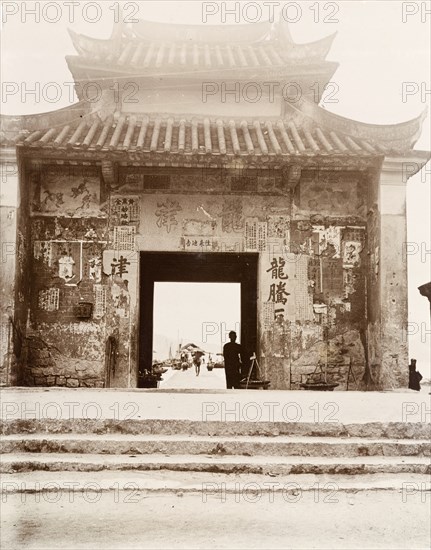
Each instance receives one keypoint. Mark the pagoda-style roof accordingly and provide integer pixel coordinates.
(147, 48)
(306, 130)
(154, 31)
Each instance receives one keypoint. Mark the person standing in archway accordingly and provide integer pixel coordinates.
(233, 360)
(414, 376)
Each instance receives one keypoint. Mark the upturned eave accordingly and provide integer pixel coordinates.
(306, 130)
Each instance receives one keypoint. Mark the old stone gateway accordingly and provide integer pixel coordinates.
(181, 163)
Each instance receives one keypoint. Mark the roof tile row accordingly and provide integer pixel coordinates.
(195, 136)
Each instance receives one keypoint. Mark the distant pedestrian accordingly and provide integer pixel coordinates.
(233, 361)
(414, 376)
(197, 361)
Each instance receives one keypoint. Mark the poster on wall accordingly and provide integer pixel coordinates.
(124, 210)
(351, 254)
(67, 258)
(49, 299)
(255, 235)
(66, 192)
(278, 227)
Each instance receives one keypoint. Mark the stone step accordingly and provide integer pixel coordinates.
(121, 444)
(271, 465)
(391, 430)
(207, 483)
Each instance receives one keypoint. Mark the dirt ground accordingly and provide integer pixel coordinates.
(135, 520)
(208, 380)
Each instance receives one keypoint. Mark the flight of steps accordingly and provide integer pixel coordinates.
(189, 453)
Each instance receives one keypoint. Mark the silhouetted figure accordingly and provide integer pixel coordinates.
(233, 360)
(425, 290)
(414, 376)
(197, 361)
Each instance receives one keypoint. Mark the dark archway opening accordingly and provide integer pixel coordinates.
(198, 268)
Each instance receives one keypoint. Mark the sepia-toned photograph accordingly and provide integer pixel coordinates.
(215, 275)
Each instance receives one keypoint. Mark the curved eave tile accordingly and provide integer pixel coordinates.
(401, 136)
(165, 136)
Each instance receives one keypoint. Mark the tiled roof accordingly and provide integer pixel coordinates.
(306, 129)
(146, 45)
(166, 134)
(140, 54)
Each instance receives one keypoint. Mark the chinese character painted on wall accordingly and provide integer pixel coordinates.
(277, 293)
(119, 267)
(167, 214)
(279, 314)
(277, 269)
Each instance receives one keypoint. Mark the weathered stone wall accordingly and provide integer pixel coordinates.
(85, 243)
(46, 365)
(394, 356)
(68, 226)
(7, 277)
(372, 374)
(12, 259)
(320, 272)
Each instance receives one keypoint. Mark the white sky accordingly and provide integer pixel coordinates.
(376, 49)
(198, 313)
